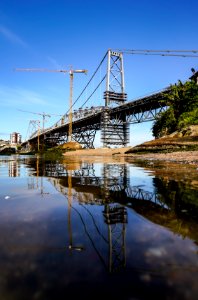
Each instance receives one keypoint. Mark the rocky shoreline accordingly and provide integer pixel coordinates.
(180, 147)
(168, 149)
(186, 157)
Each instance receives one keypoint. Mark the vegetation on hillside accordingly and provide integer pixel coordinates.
(182, 112)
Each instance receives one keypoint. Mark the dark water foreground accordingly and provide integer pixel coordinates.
(97, 229)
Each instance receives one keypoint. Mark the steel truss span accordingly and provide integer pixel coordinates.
(85, 135)
(113, 119)
(113, 122)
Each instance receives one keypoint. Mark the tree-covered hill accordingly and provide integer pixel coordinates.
(182, 112)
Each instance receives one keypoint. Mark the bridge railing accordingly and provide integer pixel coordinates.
(77, 115)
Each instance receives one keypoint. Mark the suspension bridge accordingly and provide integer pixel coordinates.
(112, 119)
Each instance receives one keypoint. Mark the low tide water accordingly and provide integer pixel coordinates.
(99, 228)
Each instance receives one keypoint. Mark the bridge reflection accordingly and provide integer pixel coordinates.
(95, 190)
(72, 184)
(113, 184)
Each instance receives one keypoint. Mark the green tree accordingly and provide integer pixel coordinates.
(183, 109)
(188, 118)
(165, 123)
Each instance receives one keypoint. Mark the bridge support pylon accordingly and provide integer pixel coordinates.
(115, 85)
(114, 128)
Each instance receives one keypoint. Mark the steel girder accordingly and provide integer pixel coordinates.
(85, 135)
(55, 138)
(114, 130)
(140, 116)
(144, 116)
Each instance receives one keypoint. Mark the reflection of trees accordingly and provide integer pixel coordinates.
(182, 200)
(177, 195)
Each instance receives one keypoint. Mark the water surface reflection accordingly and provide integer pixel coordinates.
(94, 228)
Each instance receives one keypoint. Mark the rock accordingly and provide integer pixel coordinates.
(187, 139)
(190, 131)
(71, 146)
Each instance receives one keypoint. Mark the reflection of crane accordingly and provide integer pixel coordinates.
(71, 246)
(71, 73)
(115, 217)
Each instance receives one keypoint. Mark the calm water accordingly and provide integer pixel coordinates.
(102, 228)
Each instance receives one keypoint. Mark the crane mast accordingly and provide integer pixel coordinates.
(70, 107)
(71, 73)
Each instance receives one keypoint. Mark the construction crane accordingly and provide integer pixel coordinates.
(36, 123)
(44, 115)
(41, 114)
(71, 73)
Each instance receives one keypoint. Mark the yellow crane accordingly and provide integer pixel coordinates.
(71, 73)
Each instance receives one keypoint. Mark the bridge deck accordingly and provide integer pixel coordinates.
(93, 117)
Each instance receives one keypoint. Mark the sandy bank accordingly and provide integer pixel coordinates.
(97, 152)
(190, 157)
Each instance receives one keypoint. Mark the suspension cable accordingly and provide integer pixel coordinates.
(94, 90)
(89, 83)
(160, 52)
(147, 50)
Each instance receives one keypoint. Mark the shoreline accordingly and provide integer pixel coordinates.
(186, 157)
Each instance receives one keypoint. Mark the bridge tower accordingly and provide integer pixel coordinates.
(115, 79)
(114, 129)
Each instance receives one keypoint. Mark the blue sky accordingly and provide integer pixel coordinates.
(62, 33)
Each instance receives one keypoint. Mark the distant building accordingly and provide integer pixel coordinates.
(15, 138)
(194, 76)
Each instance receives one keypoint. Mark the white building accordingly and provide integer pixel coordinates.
(15, 138)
